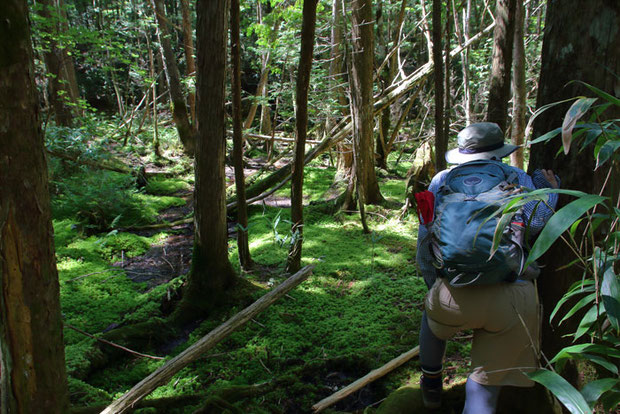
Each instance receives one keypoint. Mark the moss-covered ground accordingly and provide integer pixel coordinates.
(359, 309)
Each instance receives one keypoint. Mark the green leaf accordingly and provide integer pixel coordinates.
(592, 391)
(574, 113)
(577, 289)
(611, 400)
(602, 94)
(606, 152)
(559, 223)
(586, 322)
(586, 300)
(546, 137)
(610, 291)
(602, 361)
(566, 393)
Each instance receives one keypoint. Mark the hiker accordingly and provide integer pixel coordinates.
(503, 315)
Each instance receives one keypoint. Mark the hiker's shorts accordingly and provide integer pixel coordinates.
(505, 321)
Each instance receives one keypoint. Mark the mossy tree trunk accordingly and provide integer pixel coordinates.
(441, 141)
(301, 88)
(31, 341)
(179, 107)
(362, 38)
(211, 273)
(581, 46)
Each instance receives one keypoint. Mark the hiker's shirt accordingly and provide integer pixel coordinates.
(535, 214)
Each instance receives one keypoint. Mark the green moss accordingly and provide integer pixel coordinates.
(166, 186)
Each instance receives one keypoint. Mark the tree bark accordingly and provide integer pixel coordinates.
(245, 260)
(587, 51)
(188, 44)
(62, 82)
(518, 87)
(179, 107)
(303, 83)
(499, 85)
(31, 340)
(441, 142)
(362, 98)
(211, 273)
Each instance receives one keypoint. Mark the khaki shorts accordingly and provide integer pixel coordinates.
(504, 345)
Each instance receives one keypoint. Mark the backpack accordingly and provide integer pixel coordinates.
(461, 235)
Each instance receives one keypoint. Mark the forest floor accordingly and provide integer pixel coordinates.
(359, 309)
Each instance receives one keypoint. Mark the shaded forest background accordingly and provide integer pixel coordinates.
(191, 157)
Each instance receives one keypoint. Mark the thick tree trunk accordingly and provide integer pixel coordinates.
(441, 142)
(581, 41)
(518, 87)
(242, 214)
(303, 83)
(211, 273)
(188, 44)
(362, 98)
(179, 108)
(31, 341)
(499, 86)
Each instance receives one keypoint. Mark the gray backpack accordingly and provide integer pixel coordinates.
(464, 225)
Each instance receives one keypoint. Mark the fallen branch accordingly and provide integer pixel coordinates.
(365, 380)
(161, 225)
(111, 343)
(90, 163)
(163, 374)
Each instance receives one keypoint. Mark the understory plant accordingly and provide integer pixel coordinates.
(589, 225)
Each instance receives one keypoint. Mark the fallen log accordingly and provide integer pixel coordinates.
(90, 163)
(163, 374)
(365, 380)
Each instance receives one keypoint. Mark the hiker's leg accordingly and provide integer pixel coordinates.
(479, 398)
(431, 349)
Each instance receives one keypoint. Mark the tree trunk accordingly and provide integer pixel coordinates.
(441, 142)
(518, 87)
(587, 52)
(242, 214)
(188, 44)
(303, 83)
(62, 82)
(362, 97)
(499, 85)
(31, 340)
(179, 108)
(211, 273)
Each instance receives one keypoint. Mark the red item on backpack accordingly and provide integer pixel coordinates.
(425, 205)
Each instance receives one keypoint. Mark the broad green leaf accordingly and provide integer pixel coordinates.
(559, 223)
(600, 360)
(577, 288)
(574, 113)
(542, 109)
(610, 291)
(546, 137)
(566, 393)
(583, 348)
(606, 152)
(586, 322)
(573, 228)
(586, 300)
(592, 391)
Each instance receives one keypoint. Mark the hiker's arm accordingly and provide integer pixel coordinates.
(535, 212)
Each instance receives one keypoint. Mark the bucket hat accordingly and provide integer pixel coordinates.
(480, 141)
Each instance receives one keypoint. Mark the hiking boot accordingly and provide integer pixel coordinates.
(431, 396)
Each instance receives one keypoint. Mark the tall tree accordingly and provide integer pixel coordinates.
(518, 88)
(499, 86)
(441, 141)
(308, 26)
(62, 81)
(362, 34)
(31, 341)
(242, 214)
(179, 107)
(588, 52)
(188, 45)
(211, 272)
